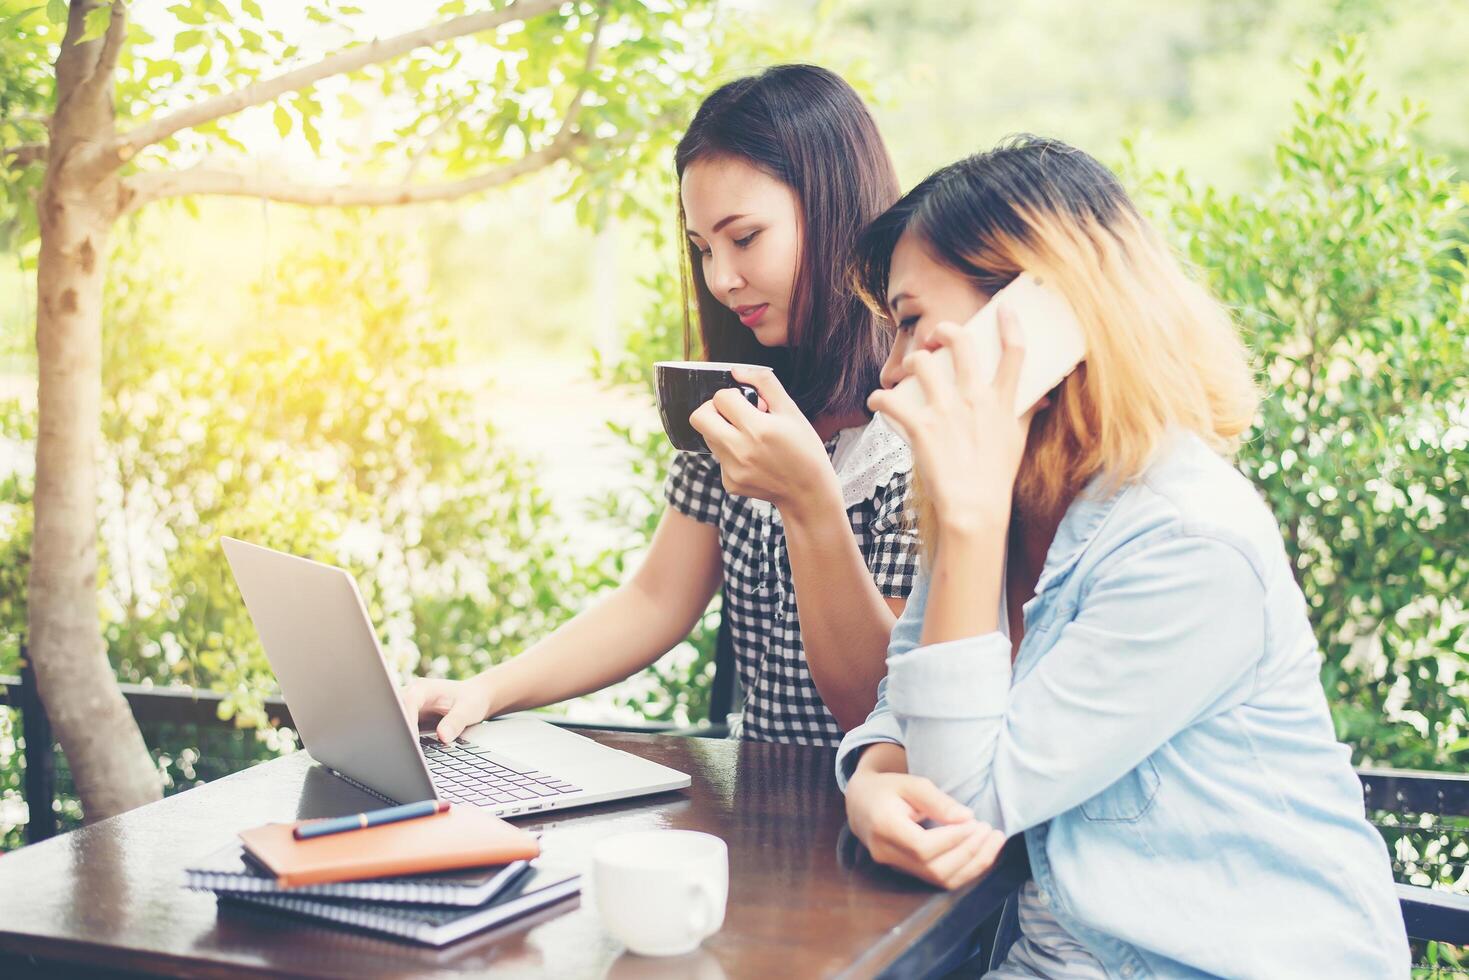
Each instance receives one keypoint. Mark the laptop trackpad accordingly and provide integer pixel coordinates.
(531, 740)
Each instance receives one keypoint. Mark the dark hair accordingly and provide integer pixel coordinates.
(808, 129)
(958, 208)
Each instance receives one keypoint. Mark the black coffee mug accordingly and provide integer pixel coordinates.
(685, 385)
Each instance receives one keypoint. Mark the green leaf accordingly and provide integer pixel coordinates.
(282, 120)
(313, 137)
(15, 18)
(95, 26)
(187, 14)
(56, 11)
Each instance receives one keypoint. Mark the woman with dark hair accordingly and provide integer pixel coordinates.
(1106, 651)
(801, 504)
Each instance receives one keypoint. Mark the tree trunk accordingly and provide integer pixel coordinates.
(77, 207)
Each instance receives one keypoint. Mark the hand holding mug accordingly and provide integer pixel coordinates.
(683, 386)
(775, 455)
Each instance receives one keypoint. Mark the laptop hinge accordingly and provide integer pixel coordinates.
(366, 789)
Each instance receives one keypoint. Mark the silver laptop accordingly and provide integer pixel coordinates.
(320, 642)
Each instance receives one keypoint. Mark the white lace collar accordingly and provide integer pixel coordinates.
(867, 457)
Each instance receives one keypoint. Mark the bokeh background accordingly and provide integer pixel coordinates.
(451, 399)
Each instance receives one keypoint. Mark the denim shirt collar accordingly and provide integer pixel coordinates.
(1090, 510)
(1079, 525)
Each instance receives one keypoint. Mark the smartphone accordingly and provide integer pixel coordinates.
(1054, 342)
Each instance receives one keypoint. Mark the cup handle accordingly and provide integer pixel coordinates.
(701, 909)
(752, 395)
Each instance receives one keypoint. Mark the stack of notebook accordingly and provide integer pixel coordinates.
(407, 880)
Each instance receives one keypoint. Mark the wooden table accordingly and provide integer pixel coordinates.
(805, 899)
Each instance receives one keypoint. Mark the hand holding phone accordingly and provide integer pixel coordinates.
(1053, 338)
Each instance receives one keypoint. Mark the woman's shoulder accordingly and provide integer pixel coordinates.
(688, 466)
(1190, 491)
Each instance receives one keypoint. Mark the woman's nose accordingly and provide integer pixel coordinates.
(892, 368)
(723, 277)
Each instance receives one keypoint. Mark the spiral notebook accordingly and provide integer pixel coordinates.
(232, 869)
(432, 925)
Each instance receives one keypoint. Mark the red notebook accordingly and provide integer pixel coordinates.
(462, 837)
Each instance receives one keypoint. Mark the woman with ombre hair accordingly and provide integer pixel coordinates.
(1106, 650)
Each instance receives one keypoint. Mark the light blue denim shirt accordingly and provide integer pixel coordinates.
(1162, 740)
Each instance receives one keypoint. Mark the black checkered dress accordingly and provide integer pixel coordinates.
(780, 700)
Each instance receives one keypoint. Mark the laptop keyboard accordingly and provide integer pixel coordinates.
(466, 773)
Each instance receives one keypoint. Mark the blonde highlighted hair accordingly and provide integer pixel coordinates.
(1162, 354)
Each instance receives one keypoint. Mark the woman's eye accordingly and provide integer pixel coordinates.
(908, 323)
(705, 252)
(745, 242)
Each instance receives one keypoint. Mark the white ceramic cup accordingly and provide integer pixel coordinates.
(661, 892)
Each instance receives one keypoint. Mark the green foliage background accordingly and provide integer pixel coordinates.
(335, 420)
(1347, 273)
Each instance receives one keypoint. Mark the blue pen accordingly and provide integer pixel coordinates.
(372, 818)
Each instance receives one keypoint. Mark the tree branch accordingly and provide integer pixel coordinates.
(111, 48)
(142, 189)
(340, 63)
(430, 139)
(574, 108)
(567, 121)
(24, 155)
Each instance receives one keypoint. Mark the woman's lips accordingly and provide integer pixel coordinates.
(751, 315)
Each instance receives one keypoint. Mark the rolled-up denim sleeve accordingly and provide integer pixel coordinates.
(1165, 634)
(881, 725)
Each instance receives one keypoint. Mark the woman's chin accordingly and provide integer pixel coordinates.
(770, 335)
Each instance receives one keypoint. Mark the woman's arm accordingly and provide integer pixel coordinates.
(904, 820)
(639, 622)
(1169, 630)
(845, 620)
(881, 726)
(629, 629)
(777, 456)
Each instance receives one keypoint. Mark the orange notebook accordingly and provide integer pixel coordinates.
(463, 837)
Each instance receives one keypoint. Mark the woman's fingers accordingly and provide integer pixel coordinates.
(942, 855)
(411, 698)
(947, 868)
(735, 408)
(715, 428)
(933, 803)
(934, 842)
(963, 348)
(981, 862)
(772, 392)
(461, 714)
(1012, 357)
(935, 378)
(900, 841)
(994, 843)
